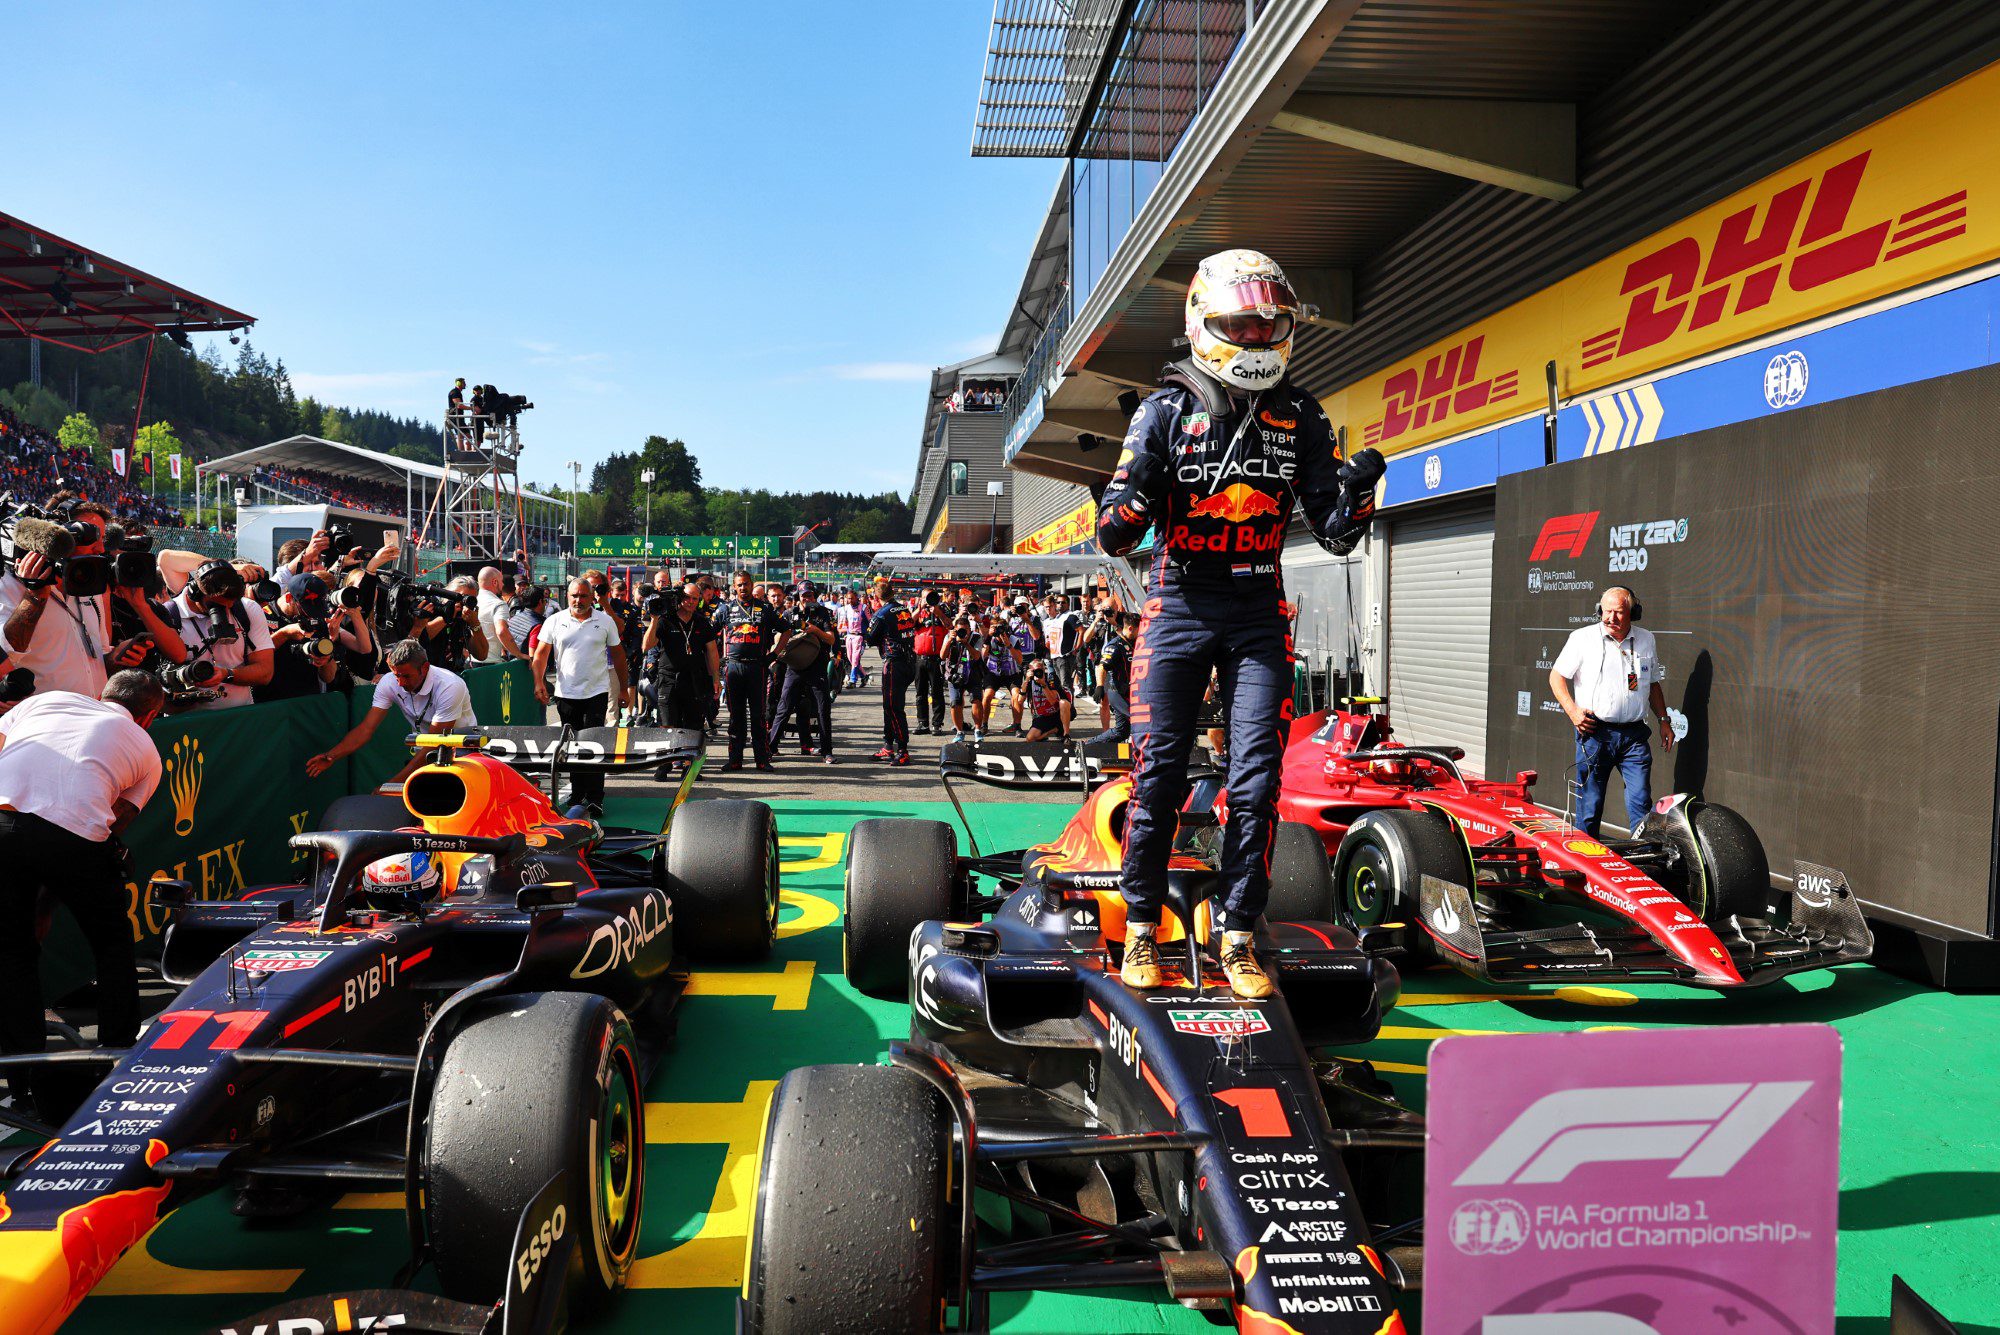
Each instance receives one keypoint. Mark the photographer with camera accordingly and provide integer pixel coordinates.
(933, 623)
(218, 625)
(431, 698)
(808, 689)
(55, 605)
(74, 771)
(683, 657)
(964, 657)
(314, 640)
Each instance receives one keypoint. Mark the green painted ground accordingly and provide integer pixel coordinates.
(1920, 1168)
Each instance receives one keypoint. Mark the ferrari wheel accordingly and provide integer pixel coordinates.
(1382, 865)
(899, 873)
(852, 1230)
(722, 872)
(1302, 886)
(1738, 873)
(541, 1084)
(1367, 887)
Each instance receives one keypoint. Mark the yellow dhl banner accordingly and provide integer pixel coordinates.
(1077, 526)
(1887, 208)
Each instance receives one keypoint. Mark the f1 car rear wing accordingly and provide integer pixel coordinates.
(533, 750)
(1117, 573)
(1033, 766)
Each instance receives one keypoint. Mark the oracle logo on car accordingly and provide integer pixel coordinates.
(1565, 535)
(1704, 1129)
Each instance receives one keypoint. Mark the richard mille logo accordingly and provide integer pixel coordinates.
(184, 769)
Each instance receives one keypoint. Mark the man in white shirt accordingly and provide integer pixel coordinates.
(74, 771)
(433, 699)
(1604, 678)
(492, 608)
(221, 625)
(588, 652)
(61, 639)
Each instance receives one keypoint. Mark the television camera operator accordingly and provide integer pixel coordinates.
(447, 623)
(63, 580)
(74, 772)
(682, 671)
(808, 692)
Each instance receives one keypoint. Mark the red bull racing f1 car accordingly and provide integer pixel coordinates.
(1046, 1127)
(484, 1052)
(1472, 872)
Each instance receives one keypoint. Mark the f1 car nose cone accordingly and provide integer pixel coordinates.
(1235, 503)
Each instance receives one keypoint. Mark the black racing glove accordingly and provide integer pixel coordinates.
(1147, 479)
(1349, 520)
(1363, 471)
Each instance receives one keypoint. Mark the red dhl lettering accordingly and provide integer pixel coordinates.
(1448, 384)
(1803, 239)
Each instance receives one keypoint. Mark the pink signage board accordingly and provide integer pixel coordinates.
(1643, 1182)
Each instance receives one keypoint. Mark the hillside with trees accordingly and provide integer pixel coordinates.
(211, 407)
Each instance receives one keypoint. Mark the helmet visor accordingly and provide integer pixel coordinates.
(1251, 329)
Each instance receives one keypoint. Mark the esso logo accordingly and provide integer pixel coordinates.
(529, 1263)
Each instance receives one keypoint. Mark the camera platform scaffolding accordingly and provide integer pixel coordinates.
(479, 501)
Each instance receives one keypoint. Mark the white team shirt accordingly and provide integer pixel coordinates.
(1599, 668)
(67, 758)
(442, 698)
(194, 630)
(67, 652)
(579, 653)
(492, 609)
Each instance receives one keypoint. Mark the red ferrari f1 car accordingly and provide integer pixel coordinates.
(1474, 873)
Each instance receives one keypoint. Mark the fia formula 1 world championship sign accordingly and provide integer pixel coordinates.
(1655, 1182)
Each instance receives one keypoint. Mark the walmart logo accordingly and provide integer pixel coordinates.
(184, 769)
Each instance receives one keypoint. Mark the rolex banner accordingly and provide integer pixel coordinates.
(233, 791)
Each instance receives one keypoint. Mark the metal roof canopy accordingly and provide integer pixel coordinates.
(339, 460)
(1419, 164)
(74, 297)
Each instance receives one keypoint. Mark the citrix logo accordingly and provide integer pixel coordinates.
(1567, 534)
(1705, 1129)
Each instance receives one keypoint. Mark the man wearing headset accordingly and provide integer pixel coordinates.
(1604, 678)
(1214, 463)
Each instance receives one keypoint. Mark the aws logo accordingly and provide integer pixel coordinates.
(184, 774)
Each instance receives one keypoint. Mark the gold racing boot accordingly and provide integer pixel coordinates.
(1247, 978)
(1142, 961)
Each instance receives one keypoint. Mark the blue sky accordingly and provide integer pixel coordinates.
(755, 226)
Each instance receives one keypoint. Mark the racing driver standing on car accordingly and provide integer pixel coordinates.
(1214, 462)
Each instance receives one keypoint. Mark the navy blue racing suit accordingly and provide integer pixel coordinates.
(1216, 477)
(893, 631)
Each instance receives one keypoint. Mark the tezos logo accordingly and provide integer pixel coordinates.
(1705, 1130)
(1785, 379)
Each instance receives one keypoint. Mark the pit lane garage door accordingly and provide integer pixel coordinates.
(1440, 610)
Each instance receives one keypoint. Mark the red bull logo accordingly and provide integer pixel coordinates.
(1234, 504)
(45, 1273)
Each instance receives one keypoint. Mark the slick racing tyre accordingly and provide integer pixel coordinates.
(899, 874)
(1733, 860)
(1380, 869)
(722, 875)
(538, 1084)
(851, 1231)
(1302, 886)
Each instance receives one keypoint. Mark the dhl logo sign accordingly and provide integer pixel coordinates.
(1079, 525)
(1889, 208)
(1447, 387)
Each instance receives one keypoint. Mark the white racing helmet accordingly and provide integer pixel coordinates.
(1241, 314)
(402, 882)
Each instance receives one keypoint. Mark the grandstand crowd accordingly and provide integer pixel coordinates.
(350, 492)
(34, 466)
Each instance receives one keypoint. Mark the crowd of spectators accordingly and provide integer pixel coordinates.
(978, 397)
(34, 466)
(373, 497)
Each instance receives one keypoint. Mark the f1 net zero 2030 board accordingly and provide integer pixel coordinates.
(1824, 584)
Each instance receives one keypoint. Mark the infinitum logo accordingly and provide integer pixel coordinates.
(1704, 1129)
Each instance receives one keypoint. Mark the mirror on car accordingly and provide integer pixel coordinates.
(547, 895)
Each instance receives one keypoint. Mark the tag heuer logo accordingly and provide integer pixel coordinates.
(1195, 424)
(1219, 1024)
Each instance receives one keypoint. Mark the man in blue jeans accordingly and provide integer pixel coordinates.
(1604, 679)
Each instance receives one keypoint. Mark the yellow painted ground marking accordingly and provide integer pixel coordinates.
(713, 1257)
(814, 913)
(831, 848)
(787, 990)
(370, 1200)
(1425, 1035)
(1576, 996)
(1400, 1068)
(140, 1274)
